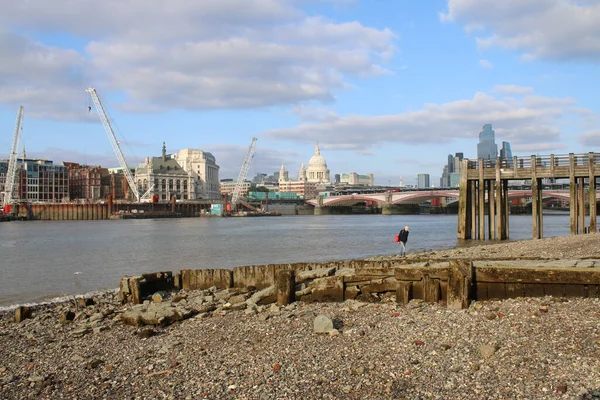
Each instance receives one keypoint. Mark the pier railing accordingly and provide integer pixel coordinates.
(556, 160)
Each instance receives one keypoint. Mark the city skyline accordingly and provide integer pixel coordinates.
(388, 88)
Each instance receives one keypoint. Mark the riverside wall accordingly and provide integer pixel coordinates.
(453, 282)
(103, 211)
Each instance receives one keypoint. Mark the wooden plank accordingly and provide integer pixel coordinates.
(538, 275)
(575, 290)
(404, 292)
(431, 289)
(514, 290)
(416, 274)
(593, 291)
(554, 289)
(417, 290)
(481, 291)
(496, 290)
(533, 289)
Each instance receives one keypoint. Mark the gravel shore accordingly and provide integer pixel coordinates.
(526, 348)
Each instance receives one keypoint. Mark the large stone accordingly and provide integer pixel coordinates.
(314, 274)
(265, 296)
(322, 324)
(162, 314)
(380, 286)
(327, 289)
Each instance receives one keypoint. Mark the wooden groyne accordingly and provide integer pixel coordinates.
(453, 282)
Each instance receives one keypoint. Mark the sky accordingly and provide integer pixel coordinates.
(388, 87)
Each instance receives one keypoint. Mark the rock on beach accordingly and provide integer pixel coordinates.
(492, 350)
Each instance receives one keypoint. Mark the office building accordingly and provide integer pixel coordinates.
(451, 172)
(506, 154)
(487, 147)
(38, 181)
(423, 181)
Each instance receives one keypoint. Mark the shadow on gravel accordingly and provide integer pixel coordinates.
(593, 394)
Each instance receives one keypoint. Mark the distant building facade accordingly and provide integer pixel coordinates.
(423, 181)
(355, 179)
(451, 172)
(187, 175)
(227, 187)
(38, 180)
(487, 147)
(302, 186)
(506, 153)
(86, 182)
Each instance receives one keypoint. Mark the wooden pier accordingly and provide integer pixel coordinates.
(484, 192)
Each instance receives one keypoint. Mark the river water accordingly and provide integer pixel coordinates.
(42, 260)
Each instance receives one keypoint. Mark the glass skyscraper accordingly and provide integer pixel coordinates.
(423, 181)
(506, 153)
(487, 147)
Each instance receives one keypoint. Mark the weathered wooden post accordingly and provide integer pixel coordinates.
(492, 206)
(572, 195)
(285, 286)
(464, 203)
(481, 192)
(460, 282)
(592, 192)
(535, 202)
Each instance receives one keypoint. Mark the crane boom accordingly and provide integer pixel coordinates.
(242, 176)
(9, 184)
(113, 140)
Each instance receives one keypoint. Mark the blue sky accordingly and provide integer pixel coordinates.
(387, 87)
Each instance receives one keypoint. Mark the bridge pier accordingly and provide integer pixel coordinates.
(320, 210)
(474, 196)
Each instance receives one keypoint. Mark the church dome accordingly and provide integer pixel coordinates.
(317, 161)
(317, 168)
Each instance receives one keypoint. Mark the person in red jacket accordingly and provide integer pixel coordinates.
(403, 236)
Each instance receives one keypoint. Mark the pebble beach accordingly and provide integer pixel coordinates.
(524, 348)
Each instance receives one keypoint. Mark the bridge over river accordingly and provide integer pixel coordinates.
(484, 193)
(419, 196)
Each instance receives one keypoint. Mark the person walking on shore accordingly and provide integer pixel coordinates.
(403, 236)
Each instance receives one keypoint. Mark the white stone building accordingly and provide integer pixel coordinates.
(189, 174)
(317, 170)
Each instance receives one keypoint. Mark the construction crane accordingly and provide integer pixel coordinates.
(9, 184)
(235, 197)
(115, 144)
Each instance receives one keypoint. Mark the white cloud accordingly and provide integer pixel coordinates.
(308, 113)
(530, 122)
(537, 148)
(590, 138)
(542, 101)
(188, 54)
(512, 89)
(486, 64)
(540, 29)
(42, 78)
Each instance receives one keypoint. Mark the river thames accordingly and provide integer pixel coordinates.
(41, 260)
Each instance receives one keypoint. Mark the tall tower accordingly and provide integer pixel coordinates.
(283, 174)
(302, 173)
(487, 147)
